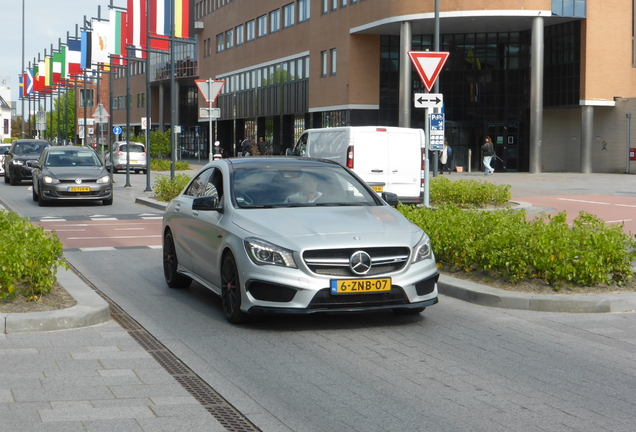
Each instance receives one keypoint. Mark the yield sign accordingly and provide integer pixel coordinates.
(428, 64)
(209, 89)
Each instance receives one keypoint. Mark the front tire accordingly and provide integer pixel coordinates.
(108, 201)
(35, 195)
(170, 264)
(231, 291)
(6, 176)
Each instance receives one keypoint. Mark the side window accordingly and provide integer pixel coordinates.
(197, 187)
(301, 146)
(214, 185)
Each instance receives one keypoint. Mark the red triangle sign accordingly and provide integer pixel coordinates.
(428, 64)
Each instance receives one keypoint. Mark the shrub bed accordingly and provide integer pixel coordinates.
(167, 188)
(467, 193)
(504, 243)
(164, 165)
(29, 258)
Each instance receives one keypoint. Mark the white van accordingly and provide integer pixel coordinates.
(389, 159)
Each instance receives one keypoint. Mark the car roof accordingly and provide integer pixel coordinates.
(245, 162)
(38, 141)
(68, 148)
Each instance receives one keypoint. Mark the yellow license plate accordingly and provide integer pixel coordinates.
(378, 188)
(134, 162)
(79, 189)
(360, 286)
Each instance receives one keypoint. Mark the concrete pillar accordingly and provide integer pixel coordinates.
(405, 97)
(536, 95)
(587, 130)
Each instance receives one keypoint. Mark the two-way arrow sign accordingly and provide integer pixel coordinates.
(429, 100)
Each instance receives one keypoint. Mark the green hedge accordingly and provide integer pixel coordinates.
(29, 258)
(164, 165)
(504, 243)
(167, 188)
(467, 193)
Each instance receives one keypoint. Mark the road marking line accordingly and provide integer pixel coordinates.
(104, 219)
(155, 247)
(583, 201)
(129, 229)
(619, 221)
(116, 237)
(625, 205)
(153, 218)
(95, 249)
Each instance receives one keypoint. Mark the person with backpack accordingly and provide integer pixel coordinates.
(488, 151)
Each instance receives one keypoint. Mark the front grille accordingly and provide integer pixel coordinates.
(335, 262)
(270, 292)
(324, 298)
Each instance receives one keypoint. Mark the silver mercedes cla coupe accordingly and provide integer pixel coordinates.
(296, 236)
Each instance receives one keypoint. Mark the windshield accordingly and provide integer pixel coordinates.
(72, 158)
(133, 148)
(29, 147)
(301, 187)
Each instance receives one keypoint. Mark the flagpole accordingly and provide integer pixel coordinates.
(23, 83)
(148, 113)
(173, 144)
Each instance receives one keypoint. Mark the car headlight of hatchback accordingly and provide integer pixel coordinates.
(422, 249)
(50, 180)
(266, 253)
(103, 180)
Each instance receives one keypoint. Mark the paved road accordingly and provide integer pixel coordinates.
(457, 366)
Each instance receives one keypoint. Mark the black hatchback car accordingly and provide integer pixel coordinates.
(17, 161)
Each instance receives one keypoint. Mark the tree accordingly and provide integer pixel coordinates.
(66, 102)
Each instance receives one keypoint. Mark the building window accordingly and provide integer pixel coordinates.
(570, 8)
(323, 63)
(325, 6)
(303, 10)
(219, 42)
(86, 98)
(274, 21)
(334, 5)
(332, 55)
(262, 26)
(229, 39)
(288, 15)
(239, 34)
(344, 3)
(249, 29)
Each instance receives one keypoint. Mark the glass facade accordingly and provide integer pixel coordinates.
(486, 88)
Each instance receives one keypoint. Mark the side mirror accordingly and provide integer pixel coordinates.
(390, 198)
(33, 164)
(207, 203)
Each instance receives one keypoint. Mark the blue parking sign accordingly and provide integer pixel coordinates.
(437, 122)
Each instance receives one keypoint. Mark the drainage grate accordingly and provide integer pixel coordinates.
(213, 402)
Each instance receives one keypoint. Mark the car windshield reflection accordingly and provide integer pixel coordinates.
(307, 187)
(86, 158)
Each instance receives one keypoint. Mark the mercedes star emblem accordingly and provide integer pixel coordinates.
(360, 262)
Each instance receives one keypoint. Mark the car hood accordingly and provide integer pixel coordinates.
(327, 224)
(71, 173)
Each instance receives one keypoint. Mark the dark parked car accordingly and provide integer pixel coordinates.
(70, 173)
(19, 157)
(4, 149)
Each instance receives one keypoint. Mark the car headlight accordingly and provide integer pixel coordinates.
(103, 180)
(17, 162)
(50, 180)
(266, 253)
(422, 249)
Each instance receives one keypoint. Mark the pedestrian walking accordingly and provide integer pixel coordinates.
(446, 158)
(488, 151)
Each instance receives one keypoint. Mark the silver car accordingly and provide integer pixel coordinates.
(4, 149)
(297, 236)
(135, 152)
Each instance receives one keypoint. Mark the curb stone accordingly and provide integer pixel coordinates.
(90, 310)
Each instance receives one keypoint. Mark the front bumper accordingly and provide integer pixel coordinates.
(62, 192)
(21, 172)
(412, 289)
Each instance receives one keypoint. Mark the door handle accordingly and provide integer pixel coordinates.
(377, 170)
(177, 207)
(195, 213)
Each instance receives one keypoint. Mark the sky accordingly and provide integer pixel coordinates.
(46, 21)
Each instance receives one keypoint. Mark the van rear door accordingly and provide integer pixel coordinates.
(370, 152)
(405, 162)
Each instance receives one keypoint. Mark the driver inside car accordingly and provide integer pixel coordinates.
(308, 192)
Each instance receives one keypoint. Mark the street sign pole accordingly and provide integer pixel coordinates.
(427, 189)
(210, 100)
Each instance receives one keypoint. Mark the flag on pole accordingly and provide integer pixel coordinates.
(100, 44)
(38, 83)
(86, 60)
(73, 57)
(161, 18)
(160, 24)
(57, 66)
(136, 24)
(21, 87)
(118, 36)
(28, 84)
(46, 72)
